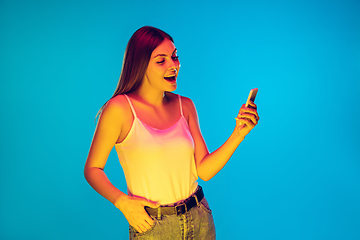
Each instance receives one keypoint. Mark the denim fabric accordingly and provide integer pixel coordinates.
(195, 224)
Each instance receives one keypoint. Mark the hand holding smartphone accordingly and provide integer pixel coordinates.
(251, 98)
(248, 117)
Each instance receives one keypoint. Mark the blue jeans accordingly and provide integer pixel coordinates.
(195, 224)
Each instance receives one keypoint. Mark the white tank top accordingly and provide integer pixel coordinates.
(159, 165)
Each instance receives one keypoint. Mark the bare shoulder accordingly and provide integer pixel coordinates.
(119, 101)
(188, 103)
(188, 107)
(116, 108)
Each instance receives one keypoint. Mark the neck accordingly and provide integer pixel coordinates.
(155, 98)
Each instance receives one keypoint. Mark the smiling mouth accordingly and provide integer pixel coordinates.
(171, 79)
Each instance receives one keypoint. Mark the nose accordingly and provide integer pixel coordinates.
(174, 66)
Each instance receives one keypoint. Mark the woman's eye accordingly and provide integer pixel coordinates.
(174, 58)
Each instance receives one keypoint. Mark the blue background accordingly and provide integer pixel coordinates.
(296, 176)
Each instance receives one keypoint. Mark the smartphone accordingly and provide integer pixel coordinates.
(252, 96)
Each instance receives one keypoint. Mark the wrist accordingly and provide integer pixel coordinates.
(237, 136)
(120, 199)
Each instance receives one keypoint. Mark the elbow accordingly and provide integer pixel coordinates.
(86, 173)
(204, 173)
(89, 172)
(205, 177)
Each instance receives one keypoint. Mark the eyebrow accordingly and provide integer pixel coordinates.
(164, 55)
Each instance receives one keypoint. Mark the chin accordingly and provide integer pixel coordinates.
(170, 88)
(173, 88)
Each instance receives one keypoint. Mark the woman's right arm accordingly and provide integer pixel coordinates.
(107, 132)
(106, 135)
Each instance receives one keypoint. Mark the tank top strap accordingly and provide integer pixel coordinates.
(131, 106)
(181, 110)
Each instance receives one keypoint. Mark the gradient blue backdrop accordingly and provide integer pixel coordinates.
(296, 176)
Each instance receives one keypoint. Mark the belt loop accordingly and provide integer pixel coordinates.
(159, 213)
(196, 199)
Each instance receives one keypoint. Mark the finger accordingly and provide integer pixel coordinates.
(249, 111)
(248, 116)
(244, 123)
(252, 105)
(143, 226)
(146, 225)
(148, 220)
(243, 107)
(139, 228)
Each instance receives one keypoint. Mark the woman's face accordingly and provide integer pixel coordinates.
(163, 67)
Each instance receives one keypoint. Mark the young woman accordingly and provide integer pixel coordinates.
(157, 137)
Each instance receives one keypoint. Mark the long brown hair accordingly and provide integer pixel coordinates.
(136, 59)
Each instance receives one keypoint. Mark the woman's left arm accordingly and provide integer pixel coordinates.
(209, 164)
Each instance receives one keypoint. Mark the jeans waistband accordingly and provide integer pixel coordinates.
(179, 208)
